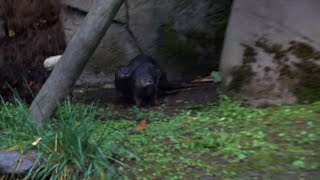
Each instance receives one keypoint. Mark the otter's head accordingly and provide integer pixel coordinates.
(144, 81)
(123, 72)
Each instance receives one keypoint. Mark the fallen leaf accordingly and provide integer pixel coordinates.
(11, 33)
(299, 122)
(142, 125)
(36, 141)
(206, 79)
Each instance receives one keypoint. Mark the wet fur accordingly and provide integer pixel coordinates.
(123, 74)
(144, 84)
(143, 80)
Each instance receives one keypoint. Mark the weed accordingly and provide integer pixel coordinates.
(203, 140)
(66, 143)
(222, 139)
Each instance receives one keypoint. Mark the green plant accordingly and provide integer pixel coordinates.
(66, 143)
(216, 76)
(223, 139)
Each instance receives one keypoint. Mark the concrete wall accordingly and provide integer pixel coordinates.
(261, 24)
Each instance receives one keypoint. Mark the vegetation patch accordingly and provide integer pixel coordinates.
(302, 50)
(175, 46)
(222, 139)
(286, 71)
(249, 55)
(66, 143)
(306, 71)
(181, 50)
(308, 89)
(276, 49)
(243, 74)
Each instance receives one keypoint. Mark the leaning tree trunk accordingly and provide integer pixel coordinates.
(74, 59)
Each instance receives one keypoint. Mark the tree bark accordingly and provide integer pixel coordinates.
(74, 59)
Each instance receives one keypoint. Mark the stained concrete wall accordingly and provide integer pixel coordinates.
(180, 35)
(277, 23)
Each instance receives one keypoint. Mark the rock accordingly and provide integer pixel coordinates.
(179, 34)
(269, 51)
(9, 162)
(83, 5)
(50, 62)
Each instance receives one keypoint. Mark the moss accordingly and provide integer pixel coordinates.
(182, 49)
(308, 74)
(249, 54)
(262, 159)
(308, 88)
(276, 49)
(241, 76)
(195, 37)
(304, 77)
(316, 55)
(302, 50)
(307, 67)
(267, 69)
(174, 46)
(287, 72)
(269, 48)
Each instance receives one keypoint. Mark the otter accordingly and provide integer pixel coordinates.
(144, 83)
(124, 73)
(122, 81)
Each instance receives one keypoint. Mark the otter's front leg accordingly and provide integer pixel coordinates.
(137, 100)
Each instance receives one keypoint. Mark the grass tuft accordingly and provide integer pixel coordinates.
(66, 143)
(222, 139)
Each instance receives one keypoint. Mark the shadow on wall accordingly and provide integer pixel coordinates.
(193, 51)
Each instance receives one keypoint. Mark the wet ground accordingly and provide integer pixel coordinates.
(107, 96)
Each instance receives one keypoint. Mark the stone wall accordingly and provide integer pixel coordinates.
(180, 35)
(271, 51)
